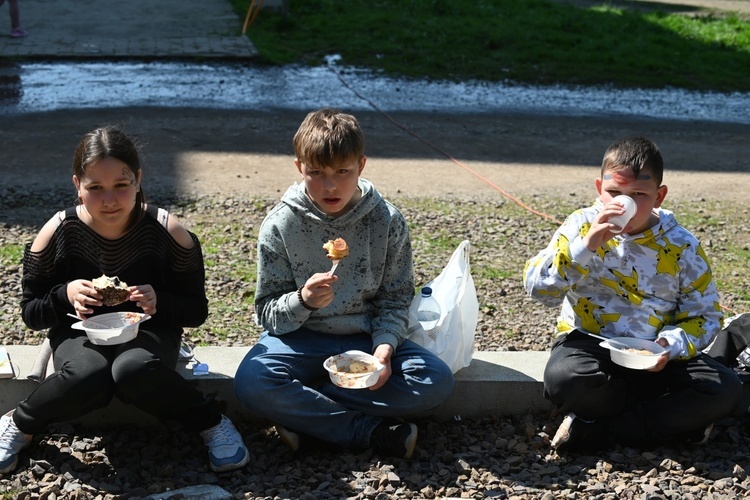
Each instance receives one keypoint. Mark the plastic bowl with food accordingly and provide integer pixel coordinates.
(112, 328)
(640, 354)
(353, 369)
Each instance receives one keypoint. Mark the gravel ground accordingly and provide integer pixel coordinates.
(503, 457)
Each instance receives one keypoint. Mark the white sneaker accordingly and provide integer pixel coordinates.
(12, 441)
(226, 450)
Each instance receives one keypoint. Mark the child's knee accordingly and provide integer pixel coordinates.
(253, 381)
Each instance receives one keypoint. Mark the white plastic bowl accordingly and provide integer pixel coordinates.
(123, 327)
(339, 369)
(634, 360)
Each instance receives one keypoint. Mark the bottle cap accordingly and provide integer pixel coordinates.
(427, 291)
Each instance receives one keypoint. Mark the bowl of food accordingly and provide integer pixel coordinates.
(112, 328)
(630, 352)
(353, 369)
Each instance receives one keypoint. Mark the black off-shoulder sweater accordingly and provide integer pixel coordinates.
(147, 254)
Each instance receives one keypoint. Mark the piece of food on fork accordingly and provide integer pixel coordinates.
(337, 249)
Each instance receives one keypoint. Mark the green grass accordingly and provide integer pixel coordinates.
(229, 249)
(524, 41)
(11, 254)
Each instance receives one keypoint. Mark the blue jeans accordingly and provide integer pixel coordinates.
(282, 378)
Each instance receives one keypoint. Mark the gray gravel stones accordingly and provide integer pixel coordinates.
(486, 458)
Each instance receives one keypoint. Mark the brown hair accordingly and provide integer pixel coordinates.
(328, 138)
(110, 142)
(634, 154)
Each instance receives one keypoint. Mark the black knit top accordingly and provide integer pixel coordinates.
(147, 254)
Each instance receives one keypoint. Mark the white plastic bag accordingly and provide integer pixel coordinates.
(455, 292)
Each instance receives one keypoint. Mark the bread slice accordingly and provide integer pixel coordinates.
(112, 290)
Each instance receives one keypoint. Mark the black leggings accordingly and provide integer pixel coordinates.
(140, 372)
(640, 407)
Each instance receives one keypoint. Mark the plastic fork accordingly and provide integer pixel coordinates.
(614, 343)
(91, 321)
(333, 267)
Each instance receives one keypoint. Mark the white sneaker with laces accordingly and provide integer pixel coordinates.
(226, 450)
(12, 441)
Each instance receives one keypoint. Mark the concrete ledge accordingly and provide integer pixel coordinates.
(496, 383)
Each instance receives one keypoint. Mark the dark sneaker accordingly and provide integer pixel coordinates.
(290, 438)
(12, 441)
(576, 434)
(394, 439)
(226, 450)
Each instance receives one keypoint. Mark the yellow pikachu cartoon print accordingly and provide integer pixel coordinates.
(602, 251)
(562, 260)
(659, 319)
(667, 260)
(625, 286)
(700, 285)
(584, 309)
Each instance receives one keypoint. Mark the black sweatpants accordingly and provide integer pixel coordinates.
(140, 372)
(639, 407)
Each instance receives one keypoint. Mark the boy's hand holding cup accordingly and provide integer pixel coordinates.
(619, 222)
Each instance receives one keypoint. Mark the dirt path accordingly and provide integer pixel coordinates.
(223, 152)
(687, 7)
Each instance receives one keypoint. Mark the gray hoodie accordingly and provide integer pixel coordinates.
(376, 282)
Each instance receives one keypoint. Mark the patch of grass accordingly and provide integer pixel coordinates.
(527, 41)
(228, 245)
(493, 273)
(11, 253)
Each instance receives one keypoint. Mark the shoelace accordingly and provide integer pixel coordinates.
(219, 435)
(8, 432)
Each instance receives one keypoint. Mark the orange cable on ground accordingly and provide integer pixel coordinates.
(444, 153)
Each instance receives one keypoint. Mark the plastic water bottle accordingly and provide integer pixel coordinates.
(428, 313)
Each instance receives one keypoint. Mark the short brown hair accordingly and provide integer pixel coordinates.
(328, 138)
(634, 154)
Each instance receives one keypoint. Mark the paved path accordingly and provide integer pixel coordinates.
(133, 28)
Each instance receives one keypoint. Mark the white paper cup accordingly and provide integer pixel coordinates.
(621, 221)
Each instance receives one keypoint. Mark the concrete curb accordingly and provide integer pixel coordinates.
(496, 383)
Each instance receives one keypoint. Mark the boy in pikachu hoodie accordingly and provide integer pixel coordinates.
(651, 281)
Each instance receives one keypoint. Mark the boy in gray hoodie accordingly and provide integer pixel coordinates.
(309, 314)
